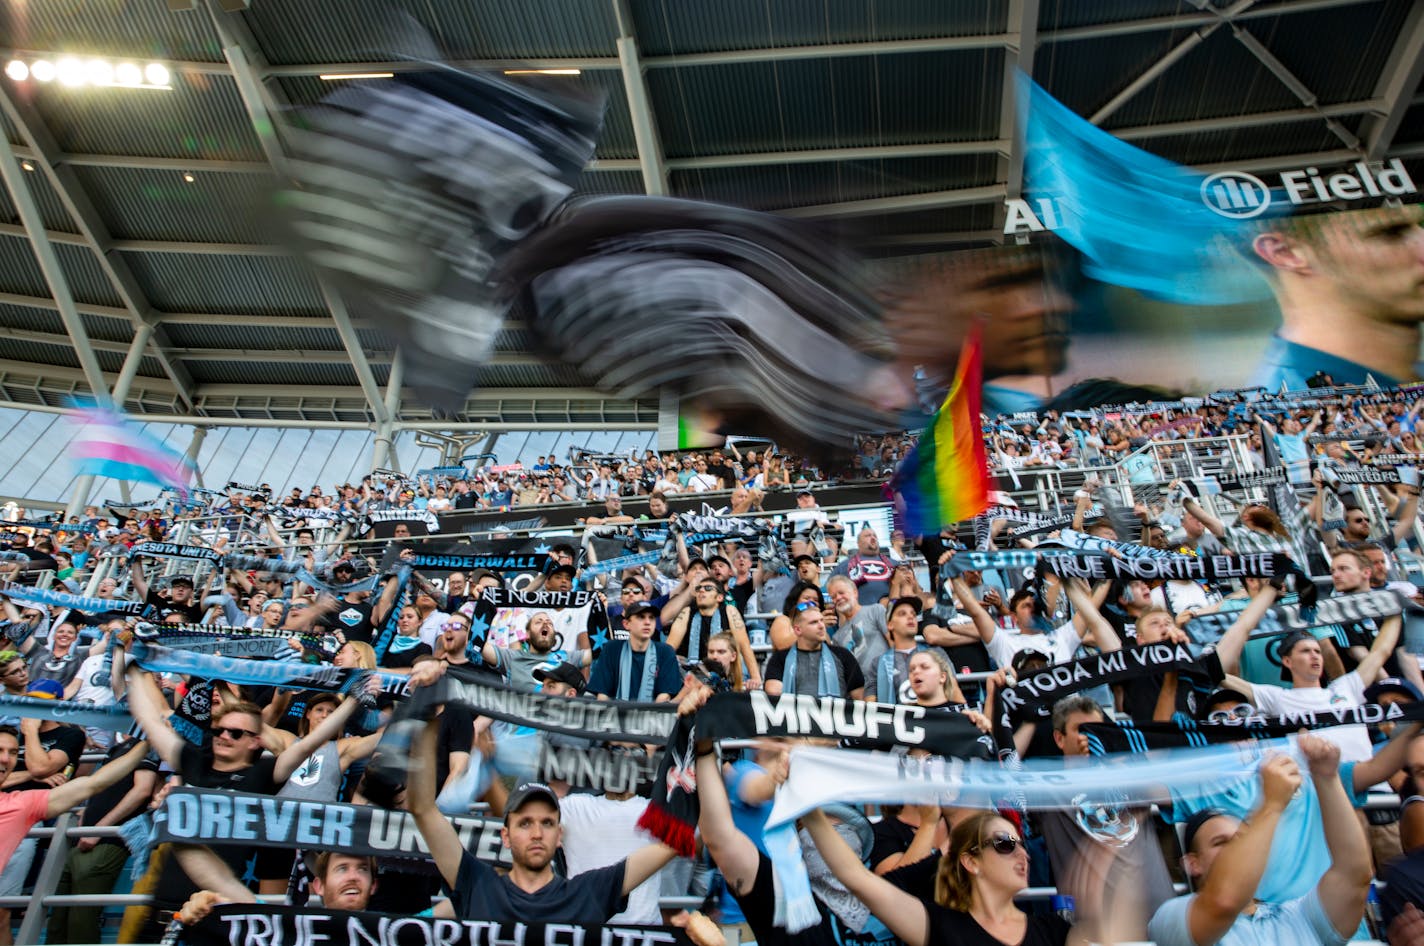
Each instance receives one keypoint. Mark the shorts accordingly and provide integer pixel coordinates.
(12, 878)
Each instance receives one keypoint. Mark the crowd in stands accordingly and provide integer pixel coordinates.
(1326, 838)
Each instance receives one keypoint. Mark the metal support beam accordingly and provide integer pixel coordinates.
(96, 234)
(29, 211)
(142, 333)
(926, 201)
(1289, 79)
(1216, 19)
(1396, 85)
(195, 447)
(1023, 14)
(157, 246)
(383, 453)
(640, 108)
(243, 55)
(1179, 21)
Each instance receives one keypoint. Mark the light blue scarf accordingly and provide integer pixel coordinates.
(625, 673)
(828, 682)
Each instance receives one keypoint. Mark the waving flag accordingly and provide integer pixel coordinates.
(107, 444)
(945, 479)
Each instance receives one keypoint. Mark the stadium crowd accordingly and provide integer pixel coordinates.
(1323, 841)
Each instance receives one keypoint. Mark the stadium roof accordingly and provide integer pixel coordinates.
(891, 114)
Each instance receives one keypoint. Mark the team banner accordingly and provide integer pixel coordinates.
(382, 523)
(172, 550)
(1071, 538)
(502, 617)
(1275, 476)
(611, 769)
(1123, 735)
(672, 811)
(60, 599)
(287, 674)
(254, 923)
(1172, 567)
(1367, 475)
(1036, 694)
(113, 718)
(208, 816)
(495, 561)
(230, 641)
(1360, 607)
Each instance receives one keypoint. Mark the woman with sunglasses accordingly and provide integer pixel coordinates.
(708, 615)
(980, 873)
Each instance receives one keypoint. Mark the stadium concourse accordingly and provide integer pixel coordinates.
(646, 473)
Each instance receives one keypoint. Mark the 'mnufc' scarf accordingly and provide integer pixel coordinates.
(172, 550)
(820, 777)
(304, 926)
(672, 812)
(205, 816)
(1337, 609)
(828, 680)
(60, 599)
(1172, 567)
(1181, 731)
(603, 770)
(112, 718)
(1044, 688)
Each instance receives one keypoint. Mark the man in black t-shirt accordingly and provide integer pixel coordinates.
(814, 666)
(51, 749)
(531, 891)
(181, 596)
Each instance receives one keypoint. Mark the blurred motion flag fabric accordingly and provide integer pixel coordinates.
(107, 444)
(945, 479)
(1138, 219)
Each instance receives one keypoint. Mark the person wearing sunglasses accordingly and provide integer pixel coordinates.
(709, 615)
(233, 761)
(983, 869)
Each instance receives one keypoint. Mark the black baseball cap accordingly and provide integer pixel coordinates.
(805, 558)
(639, 607)
(527, 792)
(181, 580)
(561, 673)
(1027, 654)
(1392, 685)
(563, 570)
(908, 601)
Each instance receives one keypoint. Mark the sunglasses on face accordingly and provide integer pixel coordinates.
(233, 732)
(1243, 711)
(706, 587)
(1004, 844)
(453, 626)
(807, 605)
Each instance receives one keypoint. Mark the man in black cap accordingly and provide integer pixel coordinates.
(532, 831)
(560, 680)
(639, 668)
(180, 596)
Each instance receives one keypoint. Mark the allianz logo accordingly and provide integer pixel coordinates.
(1240, 196)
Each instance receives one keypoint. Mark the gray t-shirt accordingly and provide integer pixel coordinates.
(864, 636)
(518, 666)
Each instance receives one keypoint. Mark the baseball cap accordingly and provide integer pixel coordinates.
(561, 673)
(46, 690)
(805, 558)
(1027, 654)
(638, 607)
(1218, 696)
(908, 601)
(527, 792)
(563, 570)
(1392, 685)
(343, 567)
(181, 580)
(110, 533)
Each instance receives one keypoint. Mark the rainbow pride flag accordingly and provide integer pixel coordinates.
(945, 479)
(107, 444)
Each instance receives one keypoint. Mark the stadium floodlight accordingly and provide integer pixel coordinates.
(342, 76)
(543, 72)
(74, 72)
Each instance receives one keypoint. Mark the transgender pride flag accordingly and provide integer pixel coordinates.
(106, 444)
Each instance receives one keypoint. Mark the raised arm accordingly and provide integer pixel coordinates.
(138, 579)
(1214, 525)
(330, 728)
(1409, 509)
(1103, 632)
(1383, 646)
(1343, 887)
(902, 912)
(1236, 872)
(78, 790)
(146, 704)
(435, 828)
(1229, 648)
(971, 606)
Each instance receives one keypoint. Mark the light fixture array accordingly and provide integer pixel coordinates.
(74, 72)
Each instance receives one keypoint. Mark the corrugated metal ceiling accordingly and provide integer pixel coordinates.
(704, 110)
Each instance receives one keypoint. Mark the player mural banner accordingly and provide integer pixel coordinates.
(503, 617)
(207, 816)
(305, 926)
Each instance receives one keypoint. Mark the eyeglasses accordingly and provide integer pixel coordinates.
(1004, 844)
(454, 626)
(233, 732)
(1240, 711)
